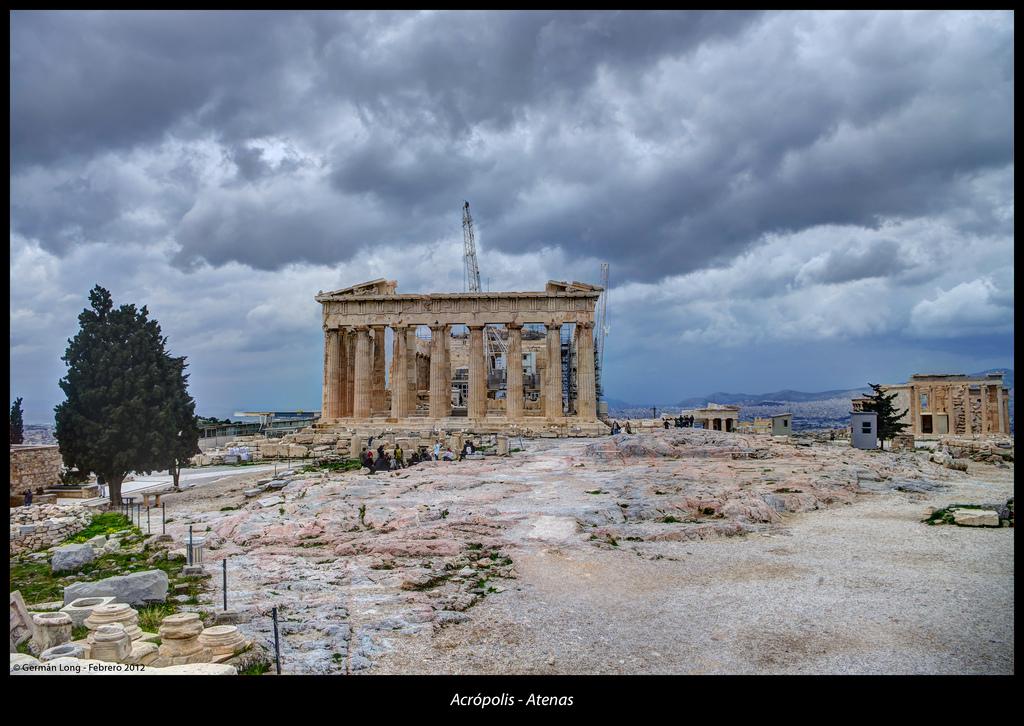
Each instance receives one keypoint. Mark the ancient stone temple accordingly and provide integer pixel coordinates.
(951, 404)
(716, 417)
(516, 358)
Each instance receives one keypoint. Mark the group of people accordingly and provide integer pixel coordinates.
(384, 461)
(680, 422)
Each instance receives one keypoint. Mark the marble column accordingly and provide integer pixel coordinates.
(378, 401)
(915, 409)
(350, 373)
(363, 373)
(328, 409)
(1003, 425)
(341, 381)
(586, 385)
(966, 403)
(446, 369)
(553, 377)
(400, 383)
(985, 428)
(477, 408)
(410, 358)
(514, 373)
(440, 385)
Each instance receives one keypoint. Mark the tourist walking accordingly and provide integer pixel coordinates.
(399, 457)
(437, 451)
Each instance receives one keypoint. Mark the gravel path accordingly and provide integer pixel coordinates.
(864, 588)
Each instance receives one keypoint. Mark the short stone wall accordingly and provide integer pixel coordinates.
(902, 442)
(985, 449)
(40, 526)
(34, 467)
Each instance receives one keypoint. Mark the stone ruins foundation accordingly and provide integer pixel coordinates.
(428, 380)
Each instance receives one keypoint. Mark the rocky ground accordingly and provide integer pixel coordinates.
(683, 551)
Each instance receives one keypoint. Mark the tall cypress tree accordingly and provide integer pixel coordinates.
(17, 423)
(181, 423)
(888, 418)
(118, 386)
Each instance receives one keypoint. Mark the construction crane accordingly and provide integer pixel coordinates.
(470, 267)
(471, 283)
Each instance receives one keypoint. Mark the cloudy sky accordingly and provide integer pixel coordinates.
(786, 200)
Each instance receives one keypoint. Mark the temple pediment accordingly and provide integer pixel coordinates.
(574, 286)
(380, 286)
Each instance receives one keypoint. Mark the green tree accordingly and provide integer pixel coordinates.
(120, 389)
(181, 424)
(17, 423)
(888, 418)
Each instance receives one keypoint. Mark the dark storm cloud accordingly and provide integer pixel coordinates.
(662, 142)
(881, 259)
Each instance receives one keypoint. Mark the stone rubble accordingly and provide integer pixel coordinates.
(137, 588)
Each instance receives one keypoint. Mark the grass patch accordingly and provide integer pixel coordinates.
(79, 632)
(257, 668)
(670, 520)
(106, 524)
(474, 546)
(787, 490)
(38, 583)
(594, 491)
(344, 465)
(228, 509)
(945, 515)
(151, 616)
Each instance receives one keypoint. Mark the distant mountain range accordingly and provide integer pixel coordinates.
(781, 396)
(817, 408)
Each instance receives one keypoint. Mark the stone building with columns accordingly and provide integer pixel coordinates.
(939, 404)
(361, 390)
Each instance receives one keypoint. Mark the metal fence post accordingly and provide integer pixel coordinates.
(149, 527)
(225, 561)
(163, 516)
(190, 545)
(277, 645)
